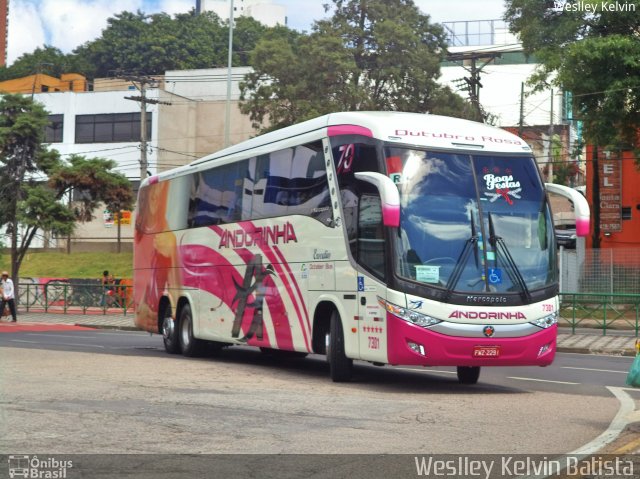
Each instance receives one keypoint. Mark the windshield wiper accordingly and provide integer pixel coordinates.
(514, 273)
(462, 260)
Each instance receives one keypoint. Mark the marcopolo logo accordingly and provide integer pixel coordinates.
(38, 468)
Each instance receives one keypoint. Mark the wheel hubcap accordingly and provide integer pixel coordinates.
(185, 325)
(167, 327)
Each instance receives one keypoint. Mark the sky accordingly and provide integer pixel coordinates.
(66, 24)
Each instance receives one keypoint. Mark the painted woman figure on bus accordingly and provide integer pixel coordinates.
(156, 256)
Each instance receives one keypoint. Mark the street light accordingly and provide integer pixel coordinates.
(227, 113)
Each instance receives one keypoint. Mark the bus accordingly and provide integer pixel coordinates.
(386, 237)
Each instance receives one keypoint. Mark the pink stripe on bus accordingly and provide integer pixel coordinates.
(218, 281)
(277, 310)
(249, 227)
(349, 130)
(295, 283)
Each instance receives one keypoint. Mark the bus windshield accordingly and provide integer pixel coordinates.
(471, 222)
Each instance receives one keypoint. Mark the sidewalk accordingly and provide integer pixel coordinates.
(585, 341)
(110, 320)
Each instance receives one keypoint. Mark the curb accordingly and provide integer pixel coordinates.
(602, 352)
(108, 326)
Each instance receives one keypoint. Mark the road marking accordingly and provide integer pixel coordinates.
(60, 336)
(123, 332)
(542, 380)
(82, 345)
(23, 341)
(622, 418)
(598, 370)
(427, 370)
(619, 422)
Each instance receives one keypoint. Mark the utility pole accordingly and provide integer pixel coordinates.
(141, 82)
(227, 113)
(473, 81)
(521, 120)
(550, 164)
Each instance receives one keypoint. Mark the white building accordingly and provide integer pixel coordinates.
(503, 71)
(185, 121)
(102, 124)
(264, 11)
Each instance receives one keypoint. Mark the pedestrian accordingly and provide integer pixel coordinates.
(8, 295)
(107, 288)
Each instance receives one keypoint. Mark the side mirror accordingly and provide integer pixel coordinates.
(580, 206)
(389, 196)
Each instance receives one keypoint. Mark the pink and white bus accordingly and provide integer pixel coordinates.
(393, 238)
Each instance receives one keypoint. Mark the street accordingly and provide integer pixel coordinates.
(69, 391)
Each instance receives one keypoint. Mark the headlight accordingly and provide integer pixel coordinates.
(546, 321)
(409, 316)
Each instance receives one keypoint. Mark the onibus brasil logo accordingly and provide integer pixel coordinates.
(34, 467)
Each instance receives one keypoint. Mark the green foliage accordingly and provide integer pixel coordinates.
(596, 56)
(74, 265)
(153, 44)
(34, 180)
(373, 55)
(147, 44)
(97, 182)
(48, 60)
(41, 210)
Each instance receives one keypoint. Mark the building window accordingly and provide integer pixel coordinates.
(53, 130)
(110, 128)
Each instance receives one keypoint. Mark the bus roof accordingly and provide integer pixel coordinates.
(417, 129)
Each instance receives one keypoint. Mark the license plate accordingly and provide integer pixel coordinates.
(486, 351)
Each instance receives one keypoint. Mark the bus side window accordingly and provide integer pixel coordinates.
(370, 242)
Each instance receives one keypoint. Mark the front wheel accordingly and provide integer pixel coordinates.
(340, 366)
(190, 345)
(170, 332)
(468, 374)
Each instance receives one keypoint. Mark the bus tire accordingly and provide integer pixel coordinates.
(170, 332)
(468, 374)
(340, 366)
(191, 346)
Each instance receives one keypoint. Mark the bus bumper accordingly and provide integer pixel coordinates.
(413, 345)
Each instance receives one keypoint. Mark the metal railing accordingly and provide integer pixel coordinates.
(64, 297)
(602, 311)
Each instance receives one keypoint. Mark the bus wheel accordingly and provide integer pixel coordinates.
(170, 333)
(191, 346)
(340, 366)
(468, 374)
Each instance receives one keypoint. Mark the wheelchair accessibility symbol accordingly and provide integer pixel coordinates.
(495, 276)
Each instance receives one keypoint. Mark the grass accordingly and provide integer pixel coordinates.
(75, 265)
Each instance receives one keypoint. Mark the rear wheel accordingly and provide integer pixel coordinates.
(190, 345)
(340, 366)
(170, 332)
(468, 374)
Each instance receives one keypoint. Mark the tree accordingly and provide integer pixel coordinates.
(96, 183)
(370, 55)
(48, 59)
(35, 180)
(594, 54)
(153, 44)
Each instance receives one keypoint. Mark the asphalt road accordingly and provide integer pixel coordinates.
(570, 373)
(98, 391)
